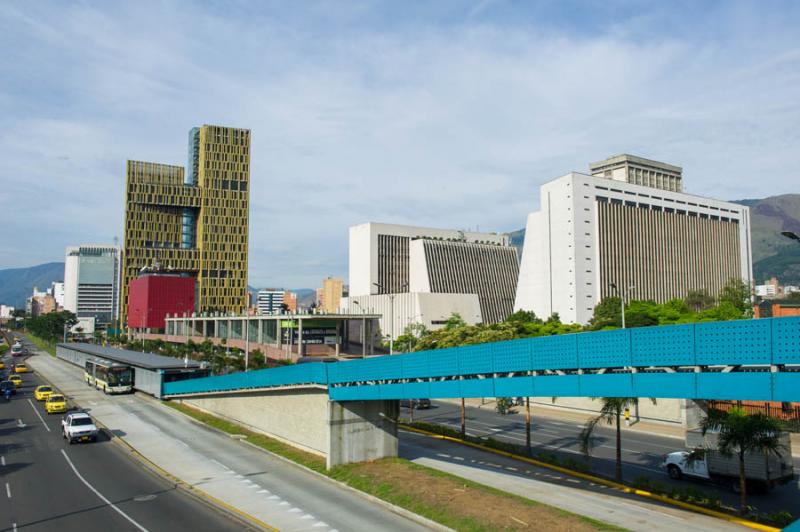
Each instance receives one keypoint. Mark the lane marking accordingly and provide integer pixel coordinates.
(223, 466)
(100, 495)
(20, 424)
(8, 490)
(3, 460)
(38, 414)
(14, 526)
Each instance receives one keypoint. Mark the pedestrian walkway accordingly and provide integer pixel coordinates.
(254, 482)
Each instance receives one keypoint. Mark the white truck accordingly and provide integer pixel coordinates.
(703, 461)
(78, 426)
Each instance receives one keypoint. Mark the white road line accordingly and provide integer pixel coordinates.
(100, 495)
(14, 526)
(320, 524)
(20, 424)
(39, 414)
(8, 490)
(3, 460)
(262, 491)
(223, 466)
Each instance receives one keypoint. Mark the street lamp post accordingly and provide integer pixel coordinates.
(391, 314)
(622, 294)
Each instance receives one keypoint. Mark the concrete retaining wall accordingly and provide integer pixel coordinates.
(353, 431)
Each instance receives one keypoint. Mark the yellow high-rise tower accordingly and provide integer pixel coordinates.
(194, 221)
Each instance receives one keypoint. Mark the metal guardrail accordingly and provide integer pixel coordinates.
(745, 359)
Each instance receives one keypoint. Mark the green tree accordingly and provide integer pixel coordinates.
(411, 334)
(699, 300)
(611, 411)
(740, 434)
(642, 314)
(607, 313)
(737, 293)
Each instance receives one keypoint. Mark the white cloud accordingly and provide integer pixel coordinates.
(451, 125)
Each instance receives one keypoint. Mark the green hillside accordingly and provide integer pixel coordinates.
(774, 254)
(16, 284)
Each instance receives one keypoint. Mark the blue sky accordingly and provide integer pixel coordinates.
(449, 114)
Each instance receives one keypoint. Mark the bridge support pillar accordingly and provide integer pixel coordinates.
(361, 431)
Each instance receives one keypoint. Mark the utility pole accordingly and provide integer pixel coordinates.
(528, 424)
(391, 314)
(246, 341)
(622, 294)
(463, 421)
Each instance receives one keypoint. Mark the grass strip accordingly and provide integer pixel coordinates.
(44, 345)
(444, 498)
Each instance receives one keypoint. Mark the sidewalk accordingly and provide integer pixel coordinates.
(251, 481)
(555, 413)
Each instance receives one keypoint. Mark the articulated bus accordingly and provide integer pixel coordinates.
(111, 377)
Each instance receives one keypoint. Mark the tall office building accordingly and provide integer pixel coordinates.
(195, 220)
(91, 282)
(595, 233)
(270, 301)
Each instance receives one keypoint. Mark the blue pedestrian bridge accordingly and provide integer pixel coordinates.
(739, 360)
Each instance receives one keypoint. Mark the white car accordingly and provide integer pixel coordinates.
(78, 427)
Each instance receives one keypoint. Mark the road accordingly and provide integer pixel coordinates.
(550, 487)
(257, 483)
(49, 485)
(642, 452)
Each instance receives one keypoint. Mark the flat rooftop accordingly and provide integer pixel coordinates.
(132, 358)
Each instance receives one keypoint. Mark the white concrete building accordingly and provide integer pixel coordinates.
(5, 311)
(91, 282)
(390, 261)
(58, 293)
(398, 311)
(594, 233)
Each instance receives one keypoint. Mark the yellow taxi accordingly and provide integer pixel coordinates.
(20, 368)
(55, 404)
(16, 379)
(2, 365)
(42, 392)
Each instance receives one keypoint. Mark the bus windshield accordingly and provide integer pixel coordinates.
(119, 377)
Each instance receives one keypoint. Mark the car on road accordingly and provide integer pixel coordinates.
(21, 368)
(418, 403)
(17, 350)
(2, 365)
(42, 392)
(7, 385)
(55, 404)
(78, 426)
(16, 379)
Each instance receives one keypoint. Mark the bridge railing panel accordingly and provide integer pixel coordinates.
(671, 345)
(513, 387)
(724, 343)
(443, 362)
(474, 359)
(786, 340)
(415, 365)
(514, 355)
(604, 349)
(554, 352)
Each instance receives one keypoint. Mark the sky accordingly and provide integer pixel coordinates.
(445, 114)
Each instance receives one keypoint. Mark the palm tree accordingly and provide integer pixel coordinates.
(610, 412)
(739, 434)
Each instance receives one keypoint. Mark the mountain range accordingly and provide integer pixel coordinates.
(773, 254)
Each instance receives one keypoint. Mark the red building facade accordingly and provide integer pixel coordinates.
(152, 297)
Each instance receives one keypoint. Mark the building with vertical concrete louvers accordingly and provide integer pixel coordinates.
(594, 235)
(431, 273)
(193, 221)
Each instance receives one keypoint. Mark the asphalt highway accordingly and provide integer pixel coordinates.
(642, 452)
(47, 484)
